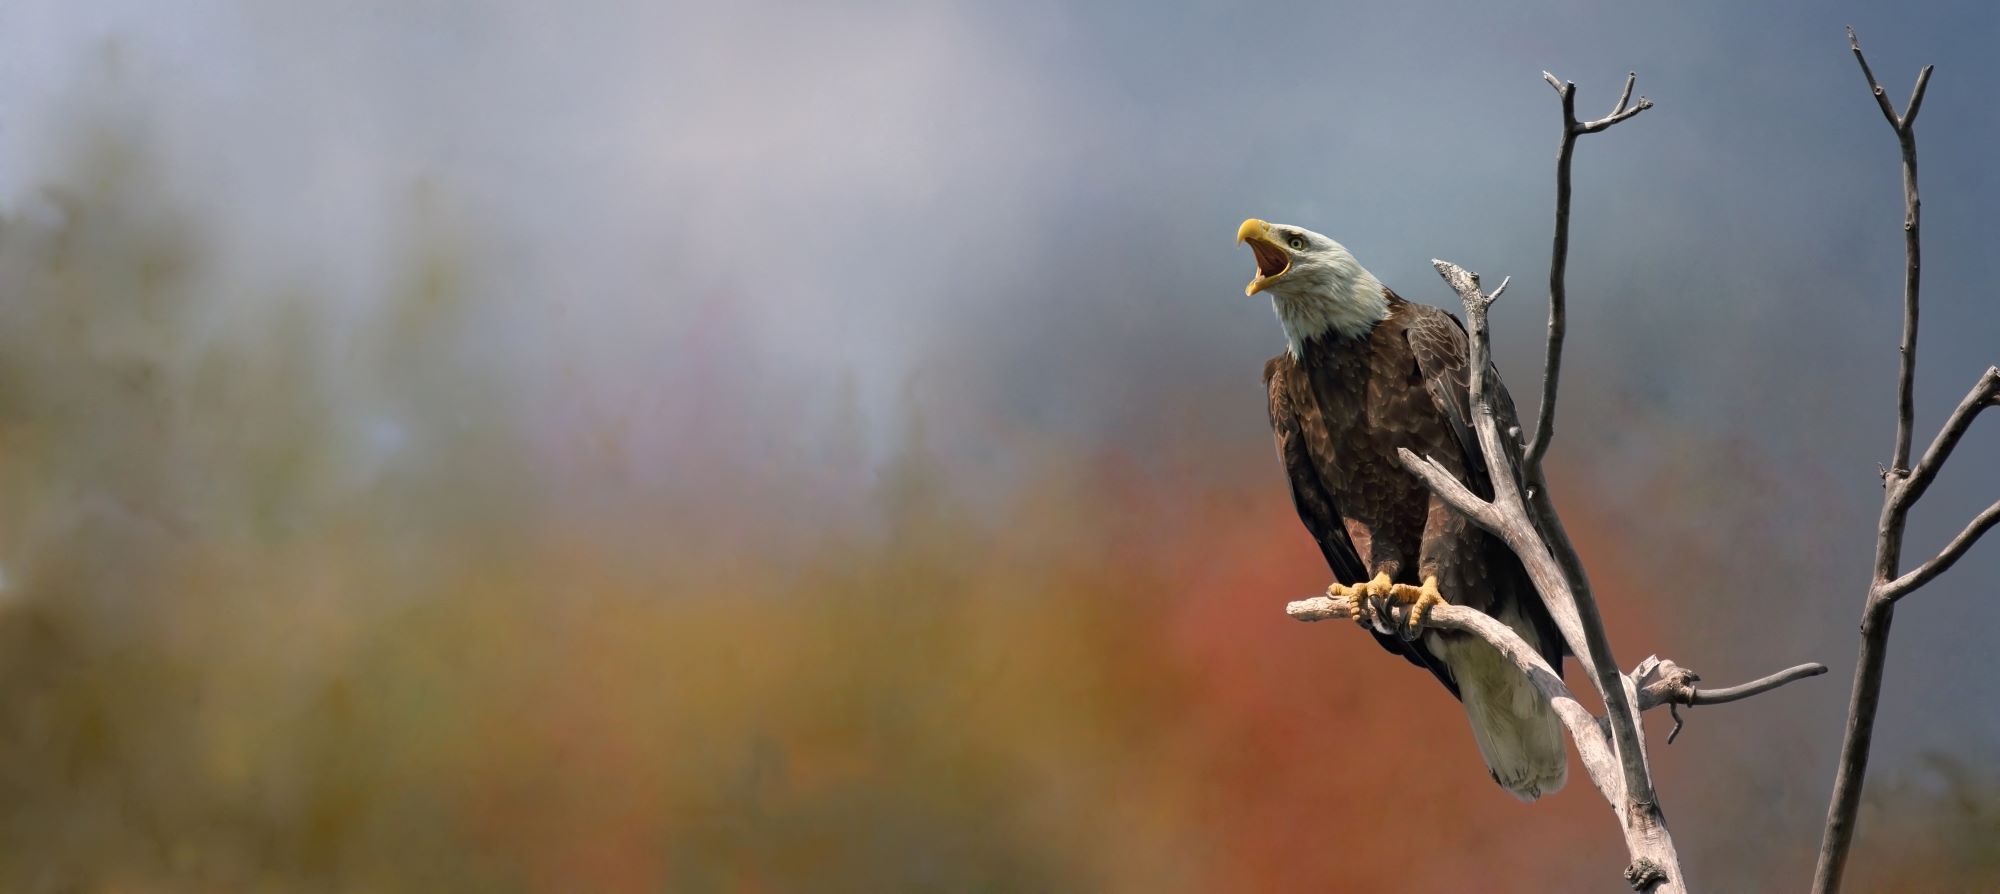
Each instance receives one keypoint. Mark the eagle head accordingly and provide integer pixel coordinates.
(1316, 285)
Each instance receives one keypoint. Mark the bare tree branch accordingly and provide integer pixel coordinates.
(1662, 682)
(1624, 96)
(1591, 744)
(1505, 517)
(1564, 590)
(1981, 523)
(1913, 256)
(1881, 98)
(1902, 487)
(1452, 491)
(1742, 691)
(1615, 117)
(1545, 413)
(1653, 683)
(1916, 98)
(1855, 743)
(1984, 393)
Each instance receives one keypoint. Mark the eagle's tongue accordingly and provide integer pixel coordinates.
(1271, 261)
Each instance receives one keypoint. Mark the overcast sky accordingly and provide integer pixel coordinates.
(1027, 209)
(880, 188)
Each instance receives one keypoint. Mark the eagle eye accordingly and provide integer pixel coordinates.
(1297, 242)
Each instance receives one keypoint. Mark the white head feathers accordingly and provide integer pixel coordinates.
(1316, 286)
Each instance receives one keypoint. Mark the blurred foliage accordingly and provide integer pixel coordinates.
(283, 610)
(295, 601)
(199, 534)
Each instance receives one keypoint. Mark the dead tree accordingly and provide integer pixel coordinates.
(1901, 487)
(1522, 514)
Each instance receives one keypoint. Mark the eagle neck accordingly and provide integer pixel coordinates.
(1344, 309)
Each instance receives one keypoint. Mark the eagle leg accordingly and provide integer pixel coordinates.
(1406, 607)
(1364, 599)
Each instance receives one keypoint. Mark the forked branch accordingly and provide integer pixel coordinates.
(1545, 413)
(1901, 488)
(1906, 137)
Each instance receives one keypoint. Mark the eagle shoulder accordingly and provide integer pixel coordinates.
(1274, 367)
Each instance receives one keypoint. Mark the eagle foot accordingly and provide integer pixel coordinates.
(1362, 600)
(1407, 607)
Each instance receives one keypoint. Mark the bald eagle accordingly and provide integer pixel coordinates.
(1364, 373)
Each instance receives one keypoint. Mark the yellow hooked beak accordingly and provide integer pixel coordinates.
(1272, 257)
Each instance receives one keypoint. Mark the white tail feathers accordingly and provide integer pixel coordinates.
(1517, 731)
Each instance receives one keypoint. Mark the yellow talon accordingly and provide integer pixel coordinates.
(1357, 606)
(1359, 596)
(1420, 600)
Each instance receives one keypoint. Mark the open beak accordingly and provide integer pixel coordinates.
(1272, 258)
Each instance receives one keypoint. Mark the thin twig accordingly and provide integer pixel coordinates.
(1625, 96)
(1615, 117)
(1881, 97)
(1662, 682)
(1729, 694)
(1981, 523)
(1983, 394)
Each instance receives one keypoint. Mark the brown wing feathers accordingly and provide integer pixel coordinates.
(1439, 344)
(1295, 418)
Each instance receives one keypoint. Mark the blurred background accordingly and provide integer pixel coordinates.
(775, 446)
